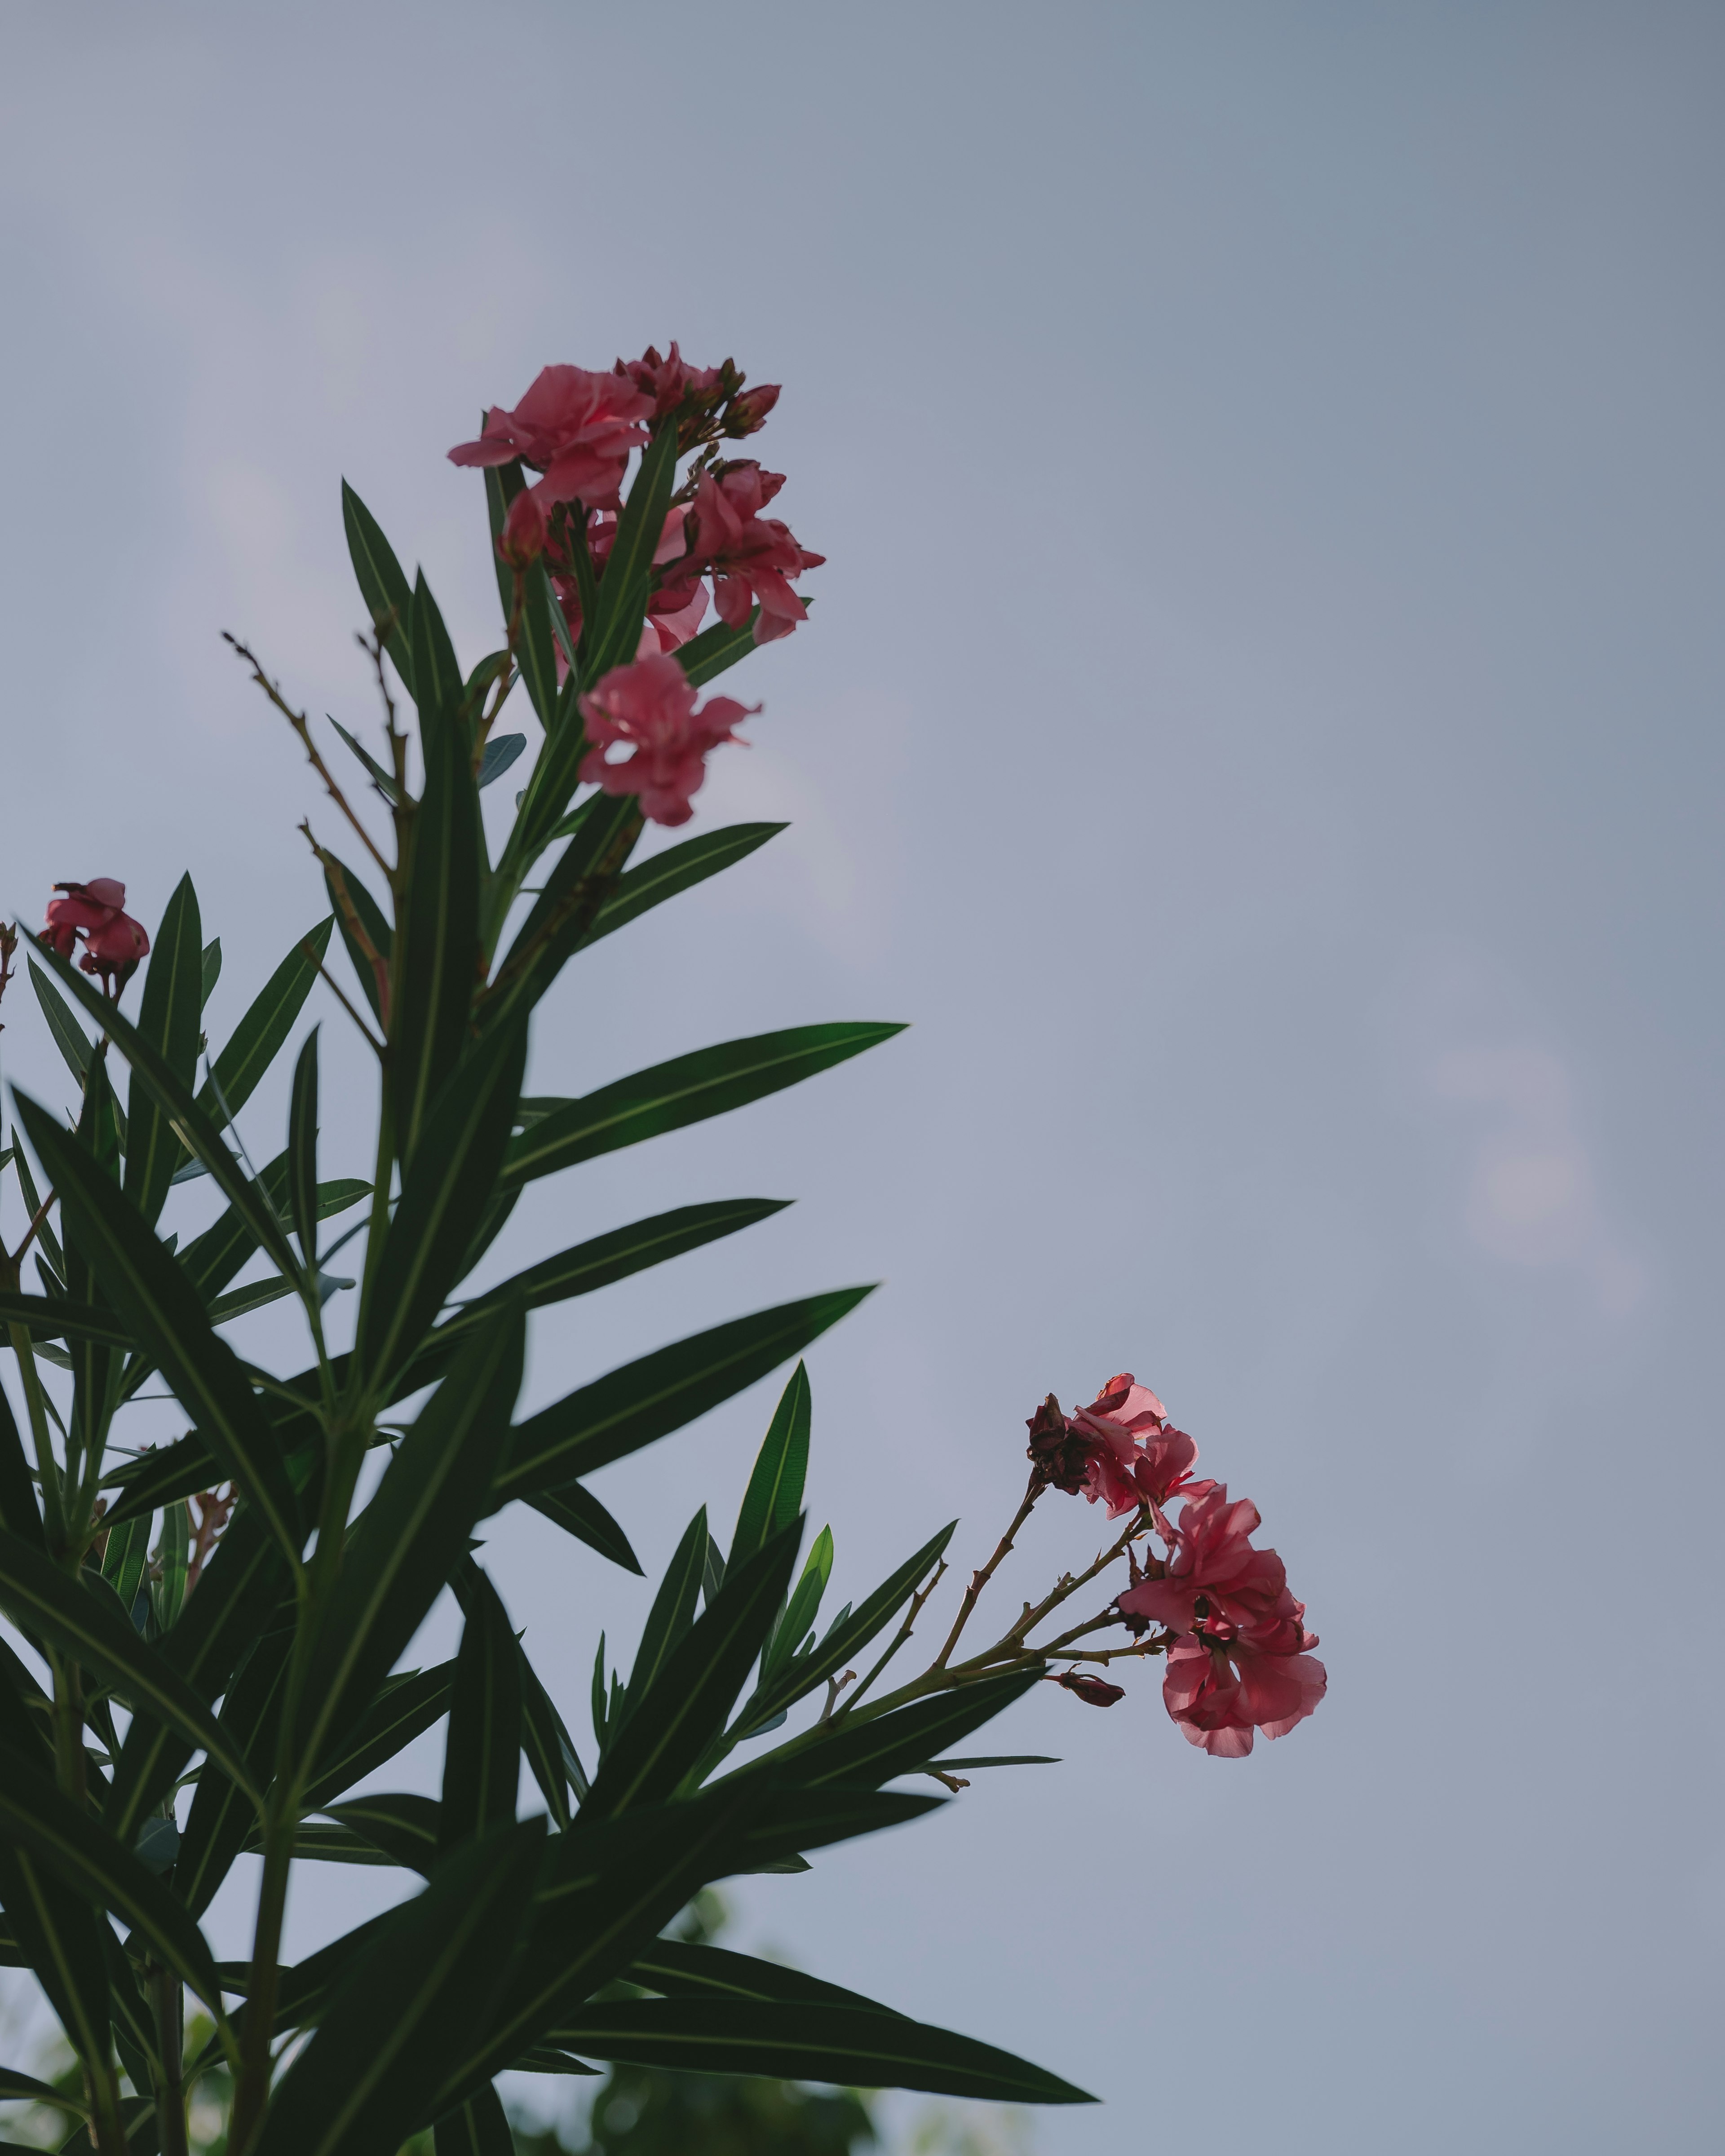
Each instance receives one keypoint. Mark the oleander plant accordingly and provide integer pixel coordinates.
(206, 1636)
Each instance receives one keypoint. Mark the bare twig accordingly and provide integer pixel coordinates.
(356, 928)
(336, 990)
(302, 726)
(902, 1634)
(979, 1580)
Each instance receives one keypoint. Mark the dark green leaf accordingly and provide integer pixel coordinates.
(804, 1603)
(672, 1611)
(39, 1597)
(212, 968)
(58, 1937)
(68, 1036)
(169, 1018)
(687, 1704)
(167, 1590)
(161, 1307)
(439, 689)
(16, 2088)
(701, 1971)
(381, 584)
(381, 778)
(687, 1089)
(866, 1753)
(211, 1259)
(501, 750)
(774, 1495)
(844, 1640)
(20, 1514)
(38, 1819)
(408, 1539)
(424, 1983)
(1001, 1759)
(717, 648)
(302, 1151)
(584, 876)
(784, 2041)
(79, 1321)
(402, 1828)
(126, 1555)
(445, 1193)
(262, 1034)
(678, 868)
(221, 1820)
(631, 1407)
(615, 629)
(624, 1250)
(478, 2128)
(576, 1510)
(482, 1751)
(550, 1749)
(404, 1708)
(503, 483)
(341, 882)
(137, 2117)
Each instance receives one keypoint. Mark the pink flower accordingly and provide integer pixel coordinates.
(671, 381)
(674, 611)
(1094, 1691)
(1137, 1457)
(113, 942)
(522, 538)
(747, 414)
(750, 557)
(1216, 1583)
(1218, 1691)
(650, 706)
(575, 427)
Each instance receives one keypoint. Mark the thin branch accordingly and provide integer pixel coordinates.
(979, 1580)
(335, 989)
(37, 1218)
(902, 1634)
(356, 928)
(301, 725)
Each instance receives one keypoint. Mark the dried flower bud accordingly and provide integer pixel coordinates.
(1094, 1691)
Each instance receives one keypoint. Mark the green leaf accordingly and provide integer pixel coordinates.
(550, 1749)
(381, 584)
(59, 1938)
(445, 1193)
(866, 1753)
(423, 1982)
(844, 1640)
(125, 1557)
(616, 629)
(575, 1509)
(436, 962)
(20, 1514)
(239, 1590)
(408, 1539)
(16, 2088)
(774, 1495)
(383, 780)
(699, 1972)
(262, 1034)
(222, 1820)
(161, 1307)
(403, 1828)
(482, 1752)
(678, 868)
(404, 1708)
(196, 1131)
(624, 1250)
(717, 649)
(585, 875)
(39, 1597)
(477, 2128)
(999, 1759)
(39, 1819)
(804, 1605)
(212, 968)
(782, 2040)
(672, 1611)
(169, 1018)
(302, 1151)
(502, 752)
(690, 1695)
(372, 919)
(503, 483)
(439, 689)
(211, 1259)
(534, 648)
(630, 1407)
(77, 1321)
(687, 1089)
(167, 1591)
(70, 1037)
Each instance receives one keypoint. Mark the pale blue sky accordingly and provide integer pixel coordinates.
(1261, 723)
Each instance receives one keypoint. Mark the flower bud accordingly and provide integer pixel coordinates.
(1094, 1691)
(522, 540)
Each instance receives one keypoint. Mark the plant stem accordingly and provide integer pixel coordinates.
(170, 2033)
(979, 1580)
(47, 1466)
(251, 2094)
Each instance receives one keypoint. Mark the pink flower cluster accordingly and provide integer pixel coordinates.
(113, 942)
(648, 707)
(1234, 1637)
(578, 429)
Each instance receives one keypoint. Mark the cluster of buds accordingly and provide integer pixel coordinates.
(1219, 1609)
(710, 404)
(95, 912)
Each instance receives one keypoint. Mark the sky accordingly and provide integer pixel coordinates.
(1259, 725)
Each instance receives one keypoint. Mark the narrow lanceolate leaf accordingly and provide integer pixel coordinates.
(631, 1407)
(39, 1818)
(17, 2087)
(347, 890)
(784, 2041)
(535, 648)
(687, 1089)
(20, 1514)
(239, 1589)
(77, 1321)
(550, 1749)
(439, 689)
(402, 1829)
(583, 878)
(774, 1495)
(170, 1016)
(222, 1819)
(503, 483)
(161, 1307)
(623, 1251)
(672, 1611)
(381, 584)
(478, 2128)
(678, 868)
(302, 1151)
(611, 635)
(197, 1132)
(39, 1597)
(410, 1536)
(425, 1980)
(404, 1708)
(262, 1034)
(436, 966)
(482, 1754)
(447, 1188)
(210, 1261)
(70, 1037)
(698, 1972)
(575, 1509)
(717, 648)
(57, 1934)
(212, 968)
(158, 1478)
(865, 1753)
(687, 1704)
(847, 1639)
